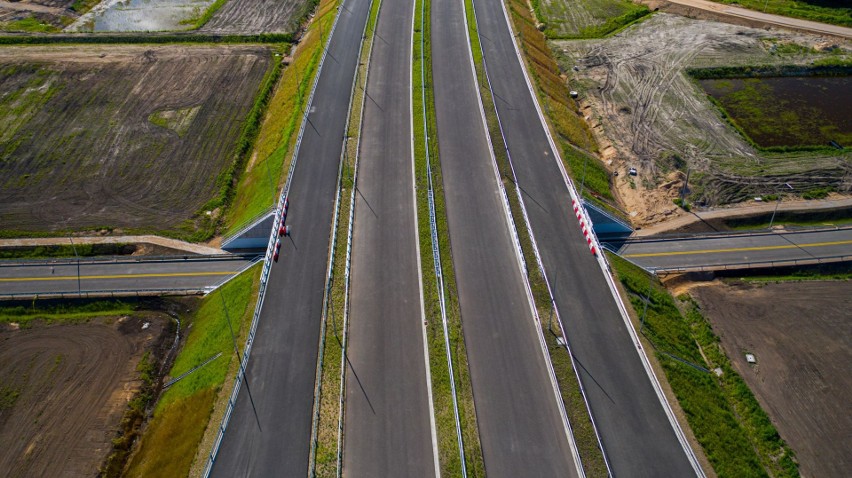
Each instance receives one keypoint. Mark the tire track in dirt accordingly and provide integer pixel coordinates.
(74, 383)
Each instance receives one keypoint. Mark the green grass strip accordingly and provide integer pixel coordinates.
(734, 431)
(56, 310)
(148, 38)
(448, 448)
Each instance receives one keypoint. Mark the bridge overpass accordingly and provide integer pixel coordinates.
(727, 251)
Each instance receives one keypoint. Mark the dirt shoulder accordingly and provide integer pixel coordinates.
(71, 384)
(801, 336)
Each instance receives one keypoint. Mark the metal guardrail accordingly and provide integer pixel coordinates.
(104, 293)
(264, 277)
(126, 259)
(751, 265)
(436, 250)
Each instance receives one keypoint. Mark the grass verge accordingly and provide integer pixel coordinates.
(448, 447)
(736, 434)
(586, 19)
(62, 251)
(182, 413)
(328, 426)
(835, 12)
(575, 408)
(56, 310)
(270, 159)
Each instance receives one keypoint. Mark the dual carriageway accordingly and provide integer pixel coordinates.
(389, 425)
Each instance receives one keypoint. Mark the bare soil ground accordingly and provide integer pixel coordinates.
(73, 384)
(801, 335)
(52, 12)
(646, 113)
(86, 140)
(258, 16)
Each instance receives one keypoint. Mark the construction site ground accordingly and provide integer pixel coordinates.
(130, 137)
(801, 336)
(648, 114)
(65, 387)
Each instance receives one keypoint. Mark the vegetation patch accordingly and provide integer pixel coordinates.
(426, 136)
(62, 311)
(786, 112)
(81, 150)
(835, 12)
(178, 120)
(734, 431)
(183, 411)
(561, 19)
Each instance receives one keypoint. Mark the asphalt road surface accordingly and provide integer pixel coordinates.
(520, 426)
(282, 368)
(635, 430)
(60, 276)
(740, 250)
(388, 426)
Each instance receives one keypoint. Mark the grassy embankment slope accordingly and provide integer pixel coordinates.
(183, 411)
(736, 434)
(257, 187)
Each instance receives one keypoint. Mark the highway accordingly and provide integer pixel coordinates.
(520, 426)
(637, 435)
(740, 250)
(119, 275)
(282, 369)
(389, 425)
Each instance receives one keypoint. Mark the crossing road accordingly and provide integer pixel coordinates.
(121, 275)
(741, 250)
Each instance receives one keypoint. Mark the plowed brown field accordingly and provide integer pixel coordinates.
(120, 136)
(73, 384)
(801, 335)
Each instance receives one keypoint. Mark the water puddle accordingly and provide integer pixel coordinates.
(141, 16)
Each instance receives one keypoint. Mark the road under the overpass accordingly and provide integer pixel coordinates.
(721, 251)
(66, 277)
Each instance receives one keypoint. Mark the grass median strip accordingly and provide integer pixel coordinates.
(425, 129)
(575, 407)
(327, 439)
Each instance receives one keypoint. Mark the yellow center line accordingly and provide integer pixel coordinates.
(120, 276)
(739, 249)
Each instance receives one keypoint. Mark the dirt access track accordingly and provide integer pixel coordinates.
(801, 336)
(258, 16)
(73, 384)
(120, 136)
(647, 113)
